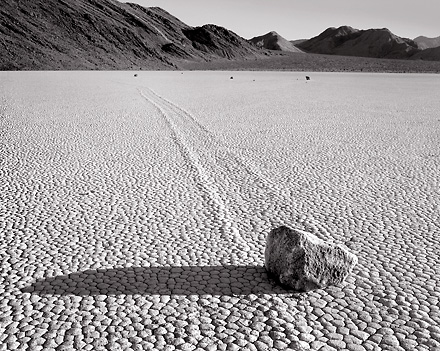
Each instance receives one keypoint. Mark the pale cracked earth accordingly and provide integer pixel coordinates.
(134, 210)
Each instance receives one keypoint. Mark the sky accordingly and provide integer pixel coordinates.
(304, 19)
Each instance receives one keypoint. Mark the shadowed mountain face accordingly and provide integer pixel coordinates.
(432, 54)
(427, 43)
(218, 41)
(347, 41)
(327, 41)
(274, 41)
(106, 34)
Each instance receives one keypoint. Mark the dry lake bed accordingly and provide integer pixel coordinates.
(134, 210)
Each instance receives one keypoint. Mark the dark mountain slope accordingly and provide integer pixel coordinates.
(218, 41)
(329, 40)
(106, 34)
(347, 41)
(274, 41)
(380, 43)
(432, 54)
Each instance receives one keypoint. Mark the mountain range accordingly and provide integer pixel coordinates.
(108, 34)
(347, 41)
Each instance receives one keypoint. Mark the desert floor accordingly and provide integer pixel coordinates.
(134, 210)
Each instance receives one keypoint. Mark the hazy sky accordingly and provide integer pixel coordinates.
(303, 19)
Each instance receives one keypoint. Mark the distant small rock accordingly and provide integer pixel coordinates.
(231, 78)
(303, 262)
(135, 75)
(307, 78)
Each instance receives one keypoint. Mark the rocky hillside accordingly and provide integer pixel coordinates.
(274, 41)
(427, 43)
(347, 41)
(107, 34)
(432, 54)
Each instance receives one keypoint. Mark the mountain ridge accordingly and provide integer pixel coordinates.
(348, 41)
(107, 34)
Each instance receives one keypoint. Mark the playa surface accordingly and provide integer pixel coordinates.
(134, 210)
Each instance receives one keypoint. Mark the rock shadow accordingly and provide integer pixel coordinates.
(168, 280)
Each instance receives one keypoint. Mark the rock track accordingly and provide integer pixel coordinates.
(232, 186)
(128, 221)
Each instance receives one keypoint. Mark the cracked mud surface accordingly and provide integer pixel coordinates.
(134, 211)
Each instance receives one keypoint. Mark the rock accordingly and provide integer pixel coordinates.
(302, 261)
(307, 78)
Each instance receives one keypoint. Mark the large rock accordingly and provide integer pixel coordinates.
(302, 261)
